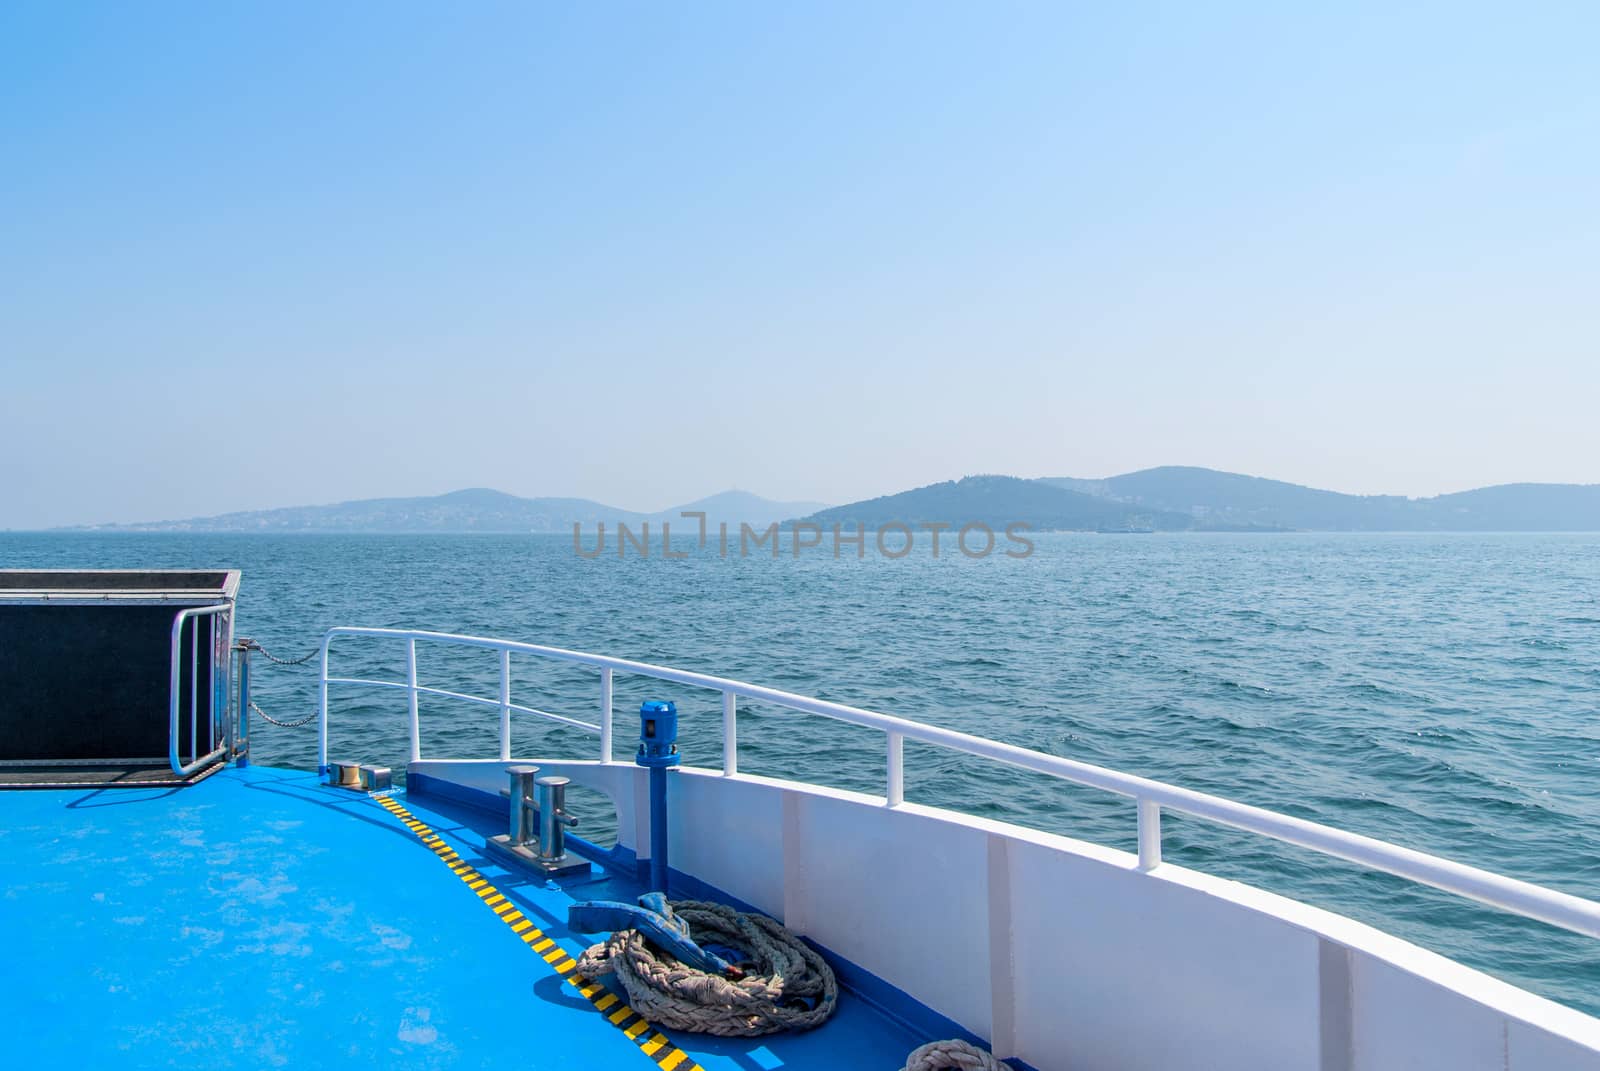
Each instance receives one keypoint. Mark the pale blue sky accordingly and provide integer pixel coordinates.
(644, 253)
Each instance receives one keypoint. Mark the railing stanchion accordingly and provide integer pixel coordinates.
(1149, 834)
(897, 769)
(505, 704)
(411, 689)
(322, 709)
(194, 690)
(241, 742)
(211, 686)
(605, 715)
(730, 734)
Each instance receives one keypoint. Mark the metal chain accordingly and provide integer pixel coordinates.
(270, 657)
(308, 719)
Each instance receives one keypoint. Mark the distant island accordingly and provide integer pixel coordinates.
(1166, 499)
(476, 509)
(1180, 498)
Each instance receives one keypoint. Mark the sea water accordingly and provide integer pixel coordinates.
(1437, 691)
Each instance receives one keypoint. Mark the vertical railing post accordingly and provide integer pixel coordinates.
(411, 686)
(225, 642)
(241, 743)
(1149, 834)
(505, 703)
(897, 770)
(605, 714)
(322, 709)
(194, 689)
(211, 684)
(730, 734)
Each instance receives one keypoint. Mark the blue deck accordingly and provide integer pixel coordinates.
(259, 919)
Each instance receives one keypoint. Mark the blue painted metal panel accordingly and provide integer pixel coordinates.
(260, 919)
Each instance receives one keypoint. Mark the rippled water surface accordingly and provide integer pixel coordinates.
(1439, 691)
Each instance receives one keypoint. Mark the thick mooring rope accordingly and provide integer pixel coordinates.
(785, 985)
(951, 1056)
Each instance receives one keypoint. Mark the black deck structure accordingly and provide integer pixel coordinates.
(86, 673)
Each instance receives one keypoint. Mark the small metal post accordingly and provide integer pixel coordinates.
(1149, 834)
(730, 734)
(895, 794)
(553, 819)
(505, 703)
(194, 689)
(411, 684)
(322, 709)
(242, 745)
(211, 683)
(605, 715)
(522, 804)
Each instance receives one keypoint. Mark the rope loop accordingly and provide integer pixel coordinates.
(785, 985)
(951, 1055)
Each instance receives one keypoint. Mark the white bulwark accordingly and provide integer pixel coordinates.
(1063, 953)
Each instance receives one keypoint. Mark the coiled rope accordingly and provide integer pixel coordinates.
(785, 985)
(951, 1056)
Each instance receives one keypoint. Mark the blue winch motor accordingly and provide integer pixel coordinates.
(658, 734)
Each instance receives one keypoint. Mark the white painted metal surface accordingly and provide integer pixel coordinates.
(1070, 955)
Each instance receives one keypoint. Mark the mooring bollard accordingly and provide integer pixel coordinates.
(553, 820)
(521, 804)
(544, 851)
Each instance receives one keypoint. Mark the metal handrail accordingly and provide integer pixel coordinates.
(560, 719)
(1152, 797)
(173, 745)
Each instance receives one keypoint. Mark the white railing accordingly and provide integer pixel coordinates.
(1152, 797)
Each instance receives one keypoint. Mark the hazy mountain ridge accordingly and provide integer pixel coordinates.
(1223, 499)
(997, 501)
(474, 509)
(737, 507)
(1170, 498)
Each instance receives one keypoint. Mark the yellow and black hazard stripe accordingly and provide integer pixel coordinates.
(634, 1026)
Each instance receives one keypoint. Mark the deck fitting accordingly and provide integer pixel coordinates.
(527, 857)
(345, 775)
